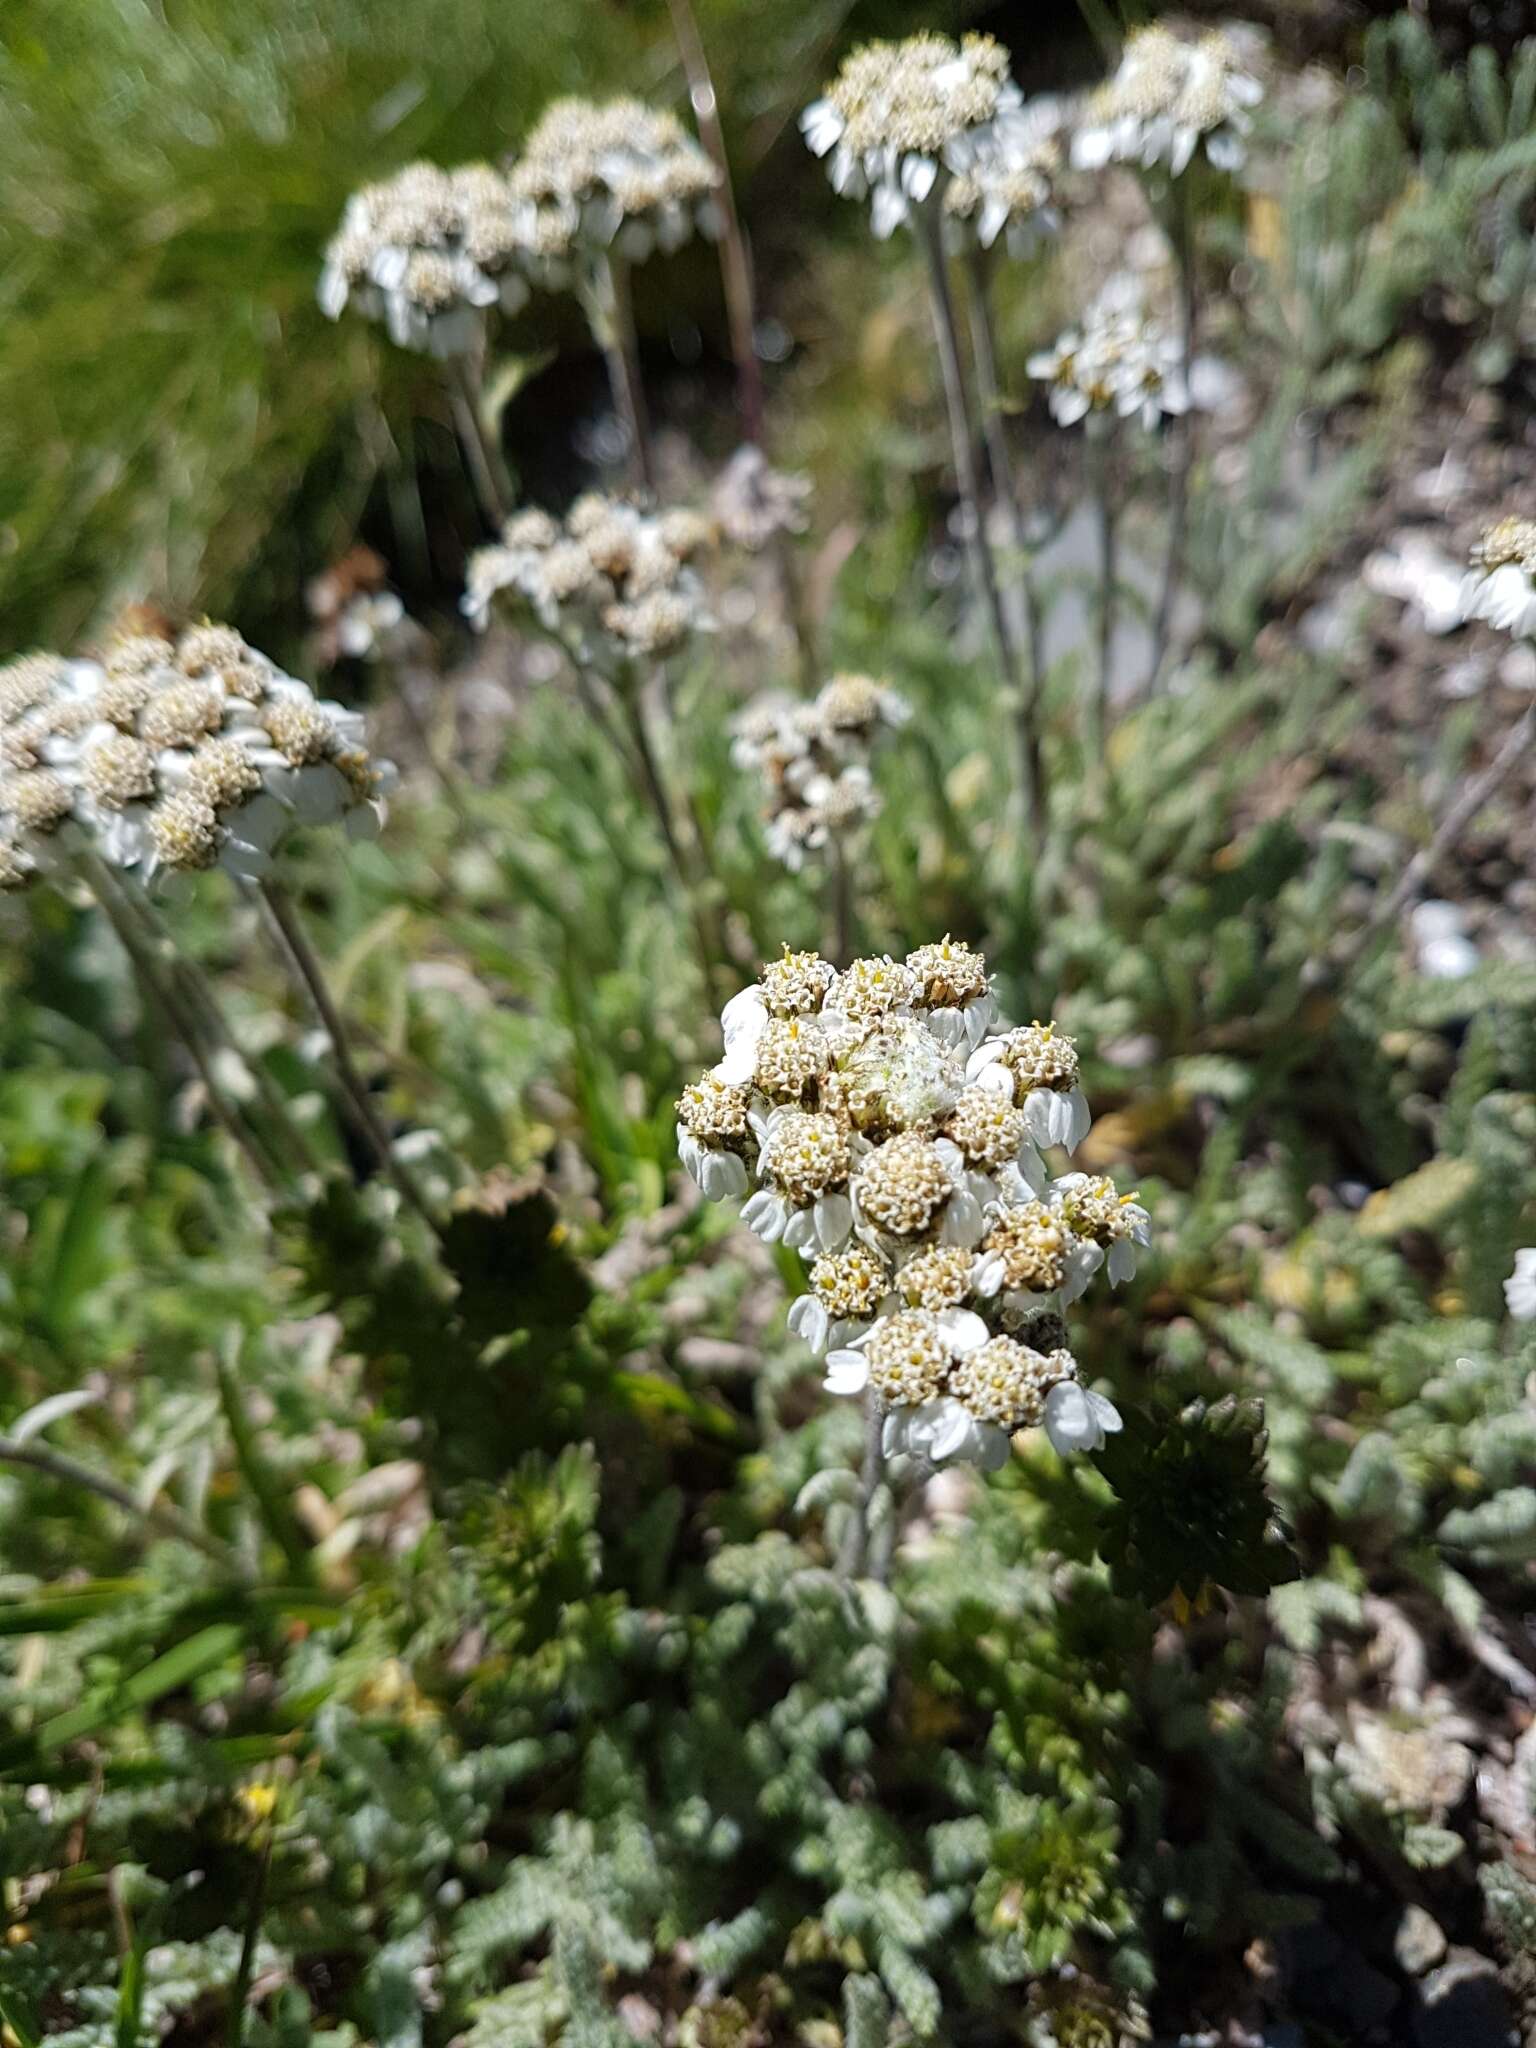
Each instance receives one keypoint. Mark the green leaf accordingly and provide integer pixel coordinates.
(1191, 1510)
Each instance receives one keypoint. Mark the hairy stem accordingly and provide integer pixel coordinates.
(855, 1545)
(165, 1521)
(182, 1018)
(947, 337)
(303, 964)
(1031, 772)
(1095, 696)
(487, 465)
(611, 312)
(1181, 232)
(202, 999)
(735, 261)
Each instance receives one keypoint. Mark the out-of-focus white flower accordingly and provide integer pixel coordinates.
(1417, 572)
(901, 118)
(176, 755)
(1121, 362)
(941, 1252)
(1444, 950)
(614, 175)
(1501, 584)
(613, 583)
(367, 622)
(1077, 1419)
(1520, 1287)
(1167, 99)
(814, 762)
(753, 502)
(428, 252)
(1010, 188)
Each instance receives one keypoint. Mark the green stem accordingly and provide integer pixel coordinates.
(1095, 695)
(165, 1521)
(612, 314)
(303, 963)
(183, 1021)
(735, 262)
(1031, 770)
(1180, 225)
(947, 337)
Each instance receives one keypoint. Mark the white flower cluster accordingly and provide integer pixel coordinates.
(753, 502)
(612, 582)
(427, 252)
(617, 174)
(1501, 584)
(1010, 188)
(1169, 98)
(875, 1126)
(1120, 361)
(1520, 1287)
(899, 117)
(814, 761)
(173, 756)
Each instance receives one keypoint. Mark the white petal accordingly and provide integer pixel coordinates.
(847, 1372)
(963, 1329)
(834, 1220)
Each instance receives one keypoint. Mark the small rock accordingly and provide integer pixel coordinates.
(1419, 1943)
(1463, 2005)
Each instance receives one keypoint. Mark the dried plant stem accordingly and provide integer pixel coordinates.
(1180, 225)
(735, 261)
(611, 312)
(303, 964)
(947, 337)
(1031, 772)
(1521, 736)
(165, 1521)
(487, 466)
(1096, 685)
(183, 1020)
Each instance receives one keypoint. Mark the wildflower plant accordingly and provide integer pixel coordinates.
(601, 187)
(427, 252)
(1175, 108)
(814, 761)
(901, 123)
(882, 1125)
(1170, 99)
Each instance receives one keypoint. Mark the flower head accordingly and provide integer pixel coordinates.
(611, 582)
(1501, 584)
(427, 252)
(184, 753)
(1009, 191)
(615, 174)
(753, 502)
(941, 1255)
(901, 117)
(1120, 363)
(1169, 98)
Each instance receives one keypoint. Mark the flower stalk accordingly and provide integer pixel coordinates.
(1031, 770)
(1179, 226)
(303, 965)
(967, 478)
